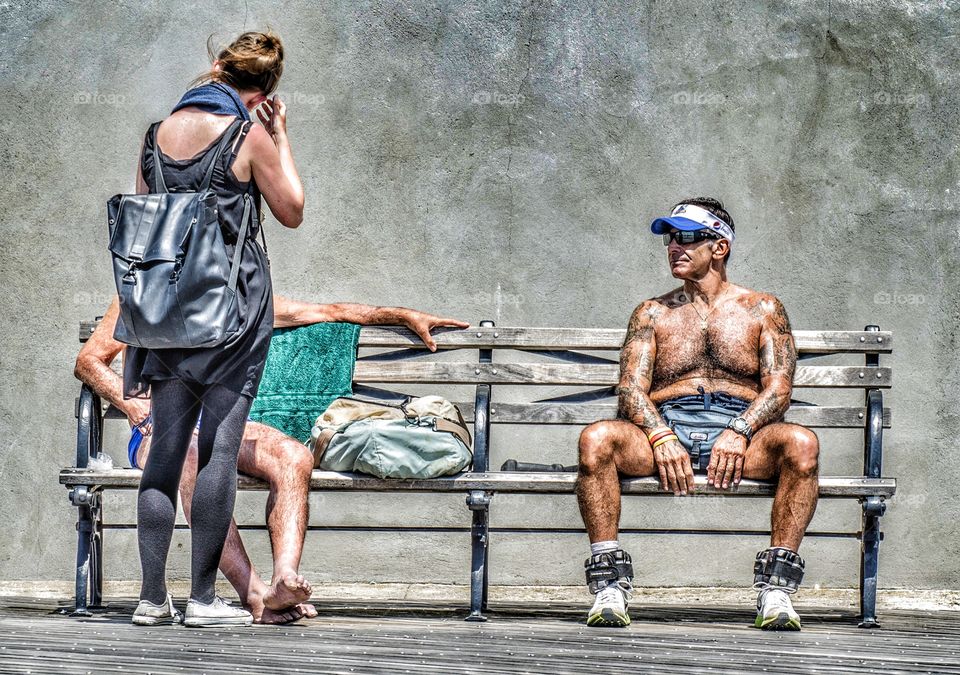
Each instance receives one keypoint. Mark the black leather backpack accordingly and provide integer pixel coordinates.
(176, 285)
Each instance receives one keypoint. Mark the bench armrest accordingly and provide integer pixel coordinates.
(89, 426)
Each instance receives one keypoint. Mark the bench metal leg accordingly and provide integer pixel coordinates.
(479, 503)
(84, 530)
(873, 508)
(96, 558)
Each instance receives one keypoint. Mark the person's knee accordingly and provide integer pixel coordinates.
(596, 446)
(802, 451)
(293, 464)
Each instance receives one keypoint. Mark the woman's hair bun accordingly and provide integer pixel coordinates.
(253, 61)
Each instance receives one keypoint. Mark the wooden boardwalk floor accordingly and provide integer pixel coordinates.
(404, 637)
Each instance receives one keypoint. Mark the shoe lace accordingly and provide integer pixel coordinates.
(622, 586)
(774, 600)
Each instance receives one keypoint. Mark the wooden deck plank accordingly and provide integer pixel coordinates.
(432, 638)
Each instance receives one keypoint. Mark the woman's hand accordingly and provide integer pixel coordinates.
(273, 116)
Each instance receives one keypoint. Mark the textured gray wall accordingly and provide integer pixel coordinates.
(501, 160)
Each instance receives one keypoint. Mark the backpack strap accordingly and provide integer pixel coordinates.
(224, 142)
(158, 185)
(241, 240)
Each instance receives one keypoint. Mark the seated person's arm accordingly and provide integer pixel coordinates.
(778, 361)
(93, 368)
(289, 313)
(637, 357)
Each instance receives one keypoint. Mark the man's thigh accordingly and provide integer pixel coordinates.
(264, 450)
(765, 451)
(631, 449)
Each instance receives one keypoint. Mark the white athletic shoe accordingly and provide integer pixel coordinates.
(217, 613)
(149, 614)
(610, 606)
(775, 611)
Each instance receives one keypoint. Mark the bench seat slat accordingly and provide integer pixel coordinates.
(818, 417)
(504, 482)
(564, 374)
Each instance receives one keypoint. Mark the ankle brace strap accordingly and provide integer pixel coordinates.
(606, 568)
(779, 567)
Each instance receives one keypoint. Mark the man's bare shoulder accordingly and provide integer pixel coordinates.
(760, 304)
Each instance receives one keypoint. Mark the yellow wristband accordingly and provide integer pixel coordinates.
(659, 430)
(671, 437)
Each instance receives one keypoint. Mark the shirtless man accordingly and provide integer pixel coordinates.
(707, 352)
(266, 453)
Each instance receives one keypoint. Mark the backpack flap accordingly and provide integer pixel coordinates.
(155, 227)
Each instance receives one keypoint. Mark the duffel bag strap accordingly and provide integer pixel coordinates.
(320, 446)
(460, 431)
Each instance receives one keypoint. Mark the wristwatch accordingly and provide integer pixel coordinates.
(740, 426)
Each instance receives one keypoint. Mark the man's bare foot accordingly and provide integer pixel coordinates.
(270, 617)
(307, 610)
(286, 592)
(266, 616)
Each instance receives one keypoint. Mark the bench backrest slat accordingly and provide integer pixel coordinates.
(584, 339)
(563, 374)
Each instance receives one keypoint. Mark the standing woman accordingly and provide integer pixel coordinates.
(221, 381)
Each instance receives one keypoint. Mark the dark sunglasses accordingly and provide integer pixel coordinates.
(682, 237)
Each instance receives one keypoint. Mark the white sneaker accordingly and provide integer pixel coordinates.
(149, 614)
(775, 611)
(217, 613)
(610, 606)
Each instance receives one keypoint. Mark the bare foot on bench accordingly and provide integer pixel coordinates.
(286, 592)
(307, 610)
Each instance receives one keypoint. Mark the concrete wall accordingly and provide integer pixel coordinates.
(502, 160)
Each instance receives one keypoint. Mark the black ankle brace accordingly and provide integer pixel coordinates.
(608, 567)
(778, 567)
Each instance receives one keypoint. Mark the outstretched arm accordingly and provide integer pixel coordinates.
(290, 313)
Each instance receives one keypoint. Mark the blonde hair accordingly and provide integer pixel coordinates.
(254, 61)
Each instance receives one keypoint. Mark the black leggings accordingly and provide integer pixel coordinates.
(176, 406)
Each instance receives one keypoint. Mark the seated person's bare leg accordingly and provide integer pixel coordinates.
(788, 453)
(608, 449)
(234, 561)
(286, 464)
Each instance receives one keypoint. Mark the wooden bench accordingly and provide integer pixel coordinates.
(584, 360)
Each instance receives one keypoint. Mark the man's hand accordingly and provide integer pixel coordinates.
(137, 410)
(676, 471)
(726, 460)
(421, 324)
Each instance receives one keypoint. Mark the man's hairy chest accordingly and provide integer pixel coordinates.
(727, 347)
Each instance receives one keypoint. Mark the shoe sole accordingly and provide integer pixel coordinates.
(155, 620)
(781, 621)
(212, 622)
(607, 618)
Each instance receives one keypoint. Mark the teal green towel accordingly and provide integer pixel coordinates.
(307, 368)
